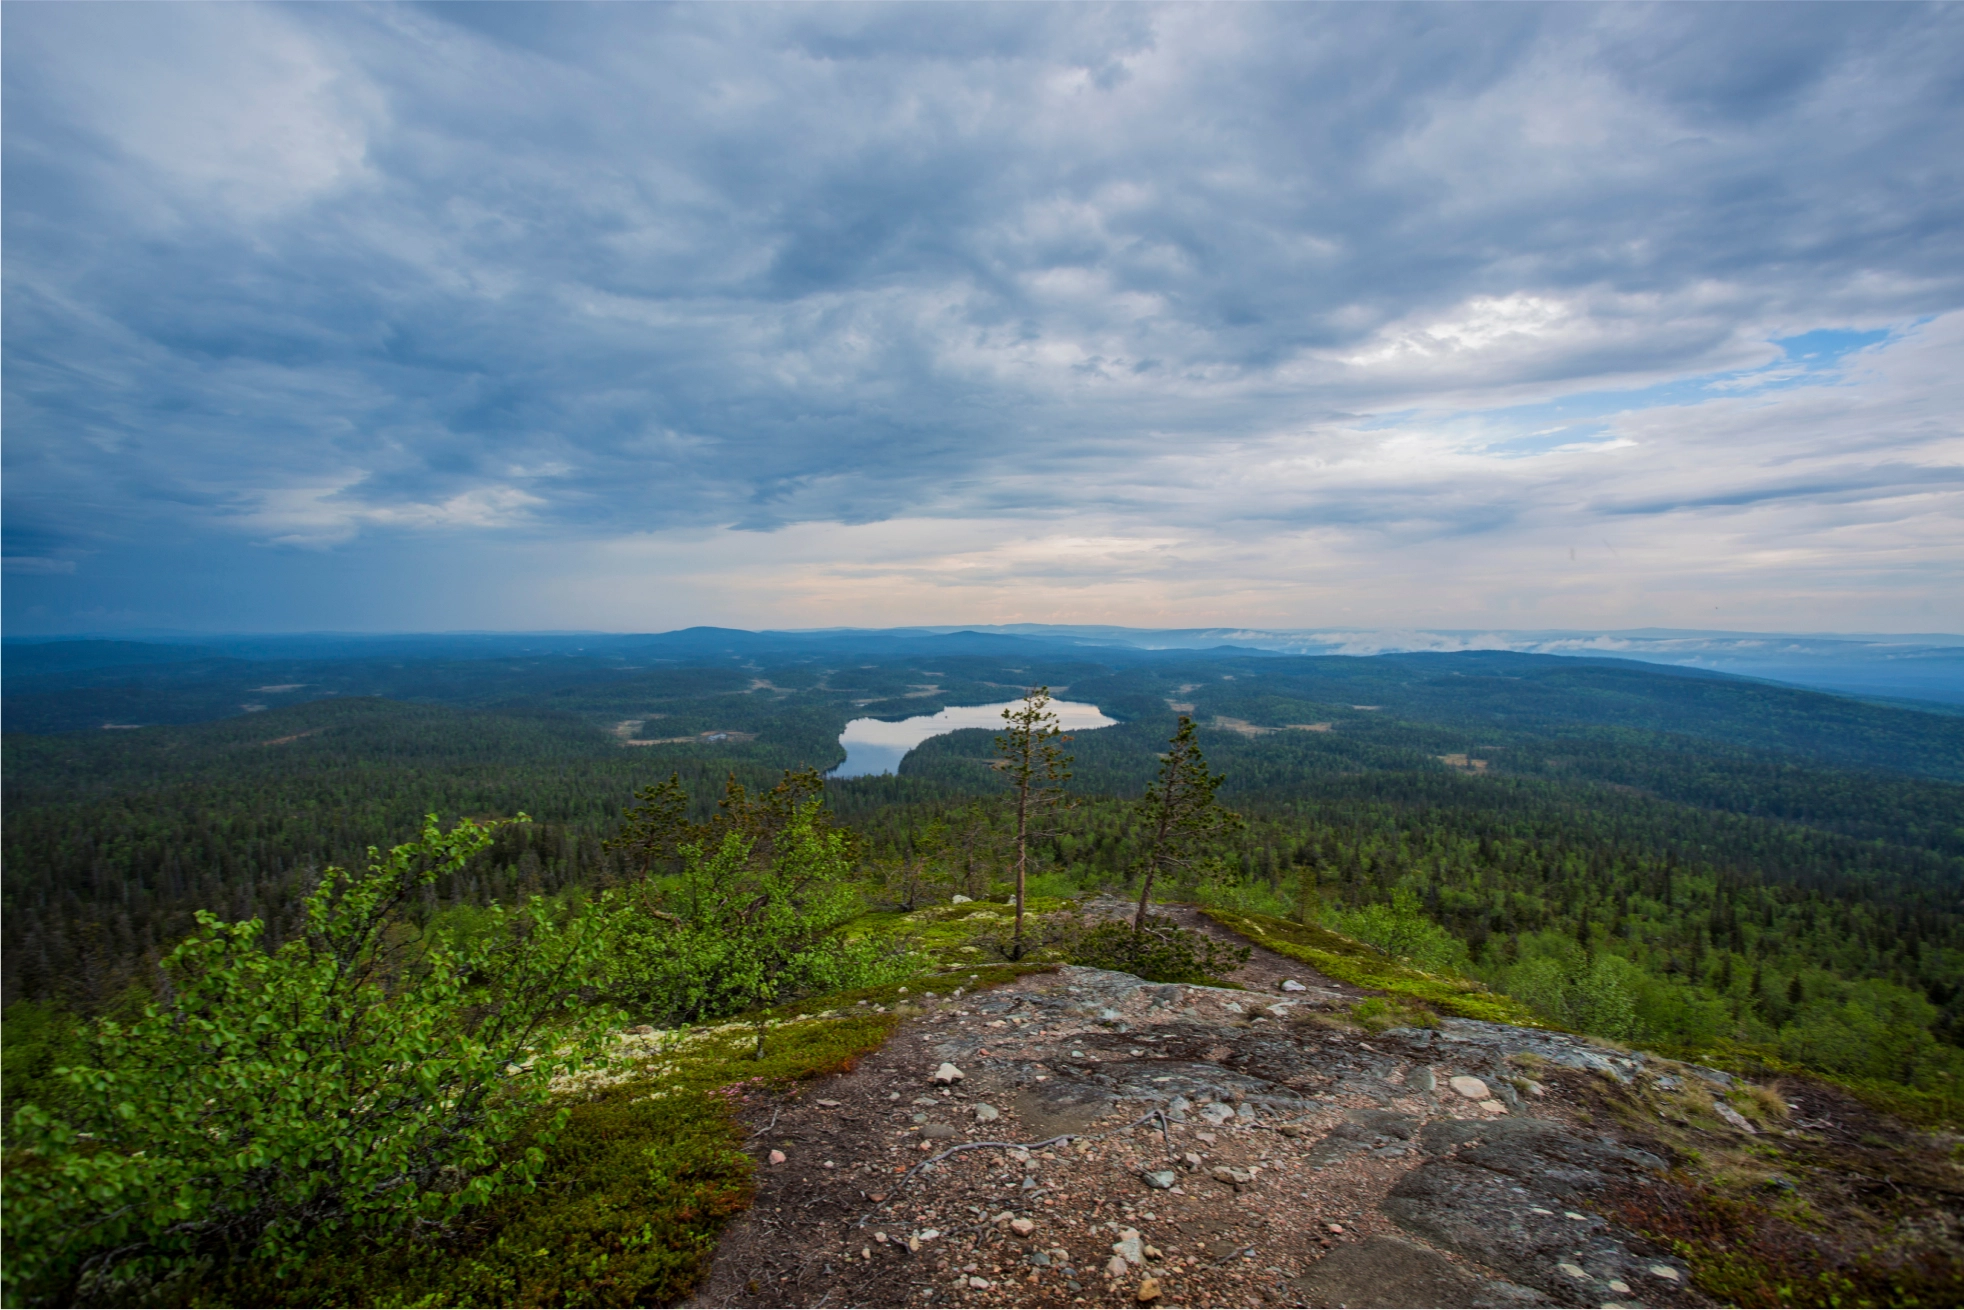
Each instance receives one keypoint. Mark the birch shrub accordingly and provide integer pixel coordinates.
(362, 1077)
(730, 933)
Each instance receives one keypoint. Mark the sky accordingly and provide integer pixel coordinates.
(632, 317)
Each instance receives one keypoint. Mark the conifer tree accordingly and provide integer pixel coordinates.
(1030, 751)
(1180, 813)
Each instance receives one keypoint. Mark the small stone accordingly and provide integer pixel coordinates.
(1161, 1178)
(1128, 1246)
(1116, 1267)
(1664, 1272)
(1022, 1227)
(1493, 1107)
(1335, 1228)
(1469, 1087)
(1618, 1286)
(1573, 1215)
(1208, 1138)
(1421, 1079)
(1148, 1290)
(959, 899)
(939, 1132)
(1291, 985)
(1041, 1259)
(830, 1105)
(1233, 1177)
(1573, 1270)
(1192, 1159)
(1217, 1113)
(986, 1113)
(777, 1157)
(1734, 1118)
(977, 1282)
(947, 1075)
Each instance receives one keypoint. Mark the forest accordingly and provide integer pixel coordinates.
(1751, 875)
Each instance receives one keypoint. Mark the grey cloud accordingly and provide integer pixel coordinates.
(656, 267)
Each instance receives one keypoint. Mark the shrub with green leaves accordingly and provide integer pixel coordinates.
(1160, 951)
(360, 1077)
(1402, 931)
(729, 933)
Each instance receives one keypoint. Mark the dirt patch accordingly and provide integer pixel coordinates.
(1464, 761)
(281, 741)
(1242, 727)
(1313, 727)
(714, 736)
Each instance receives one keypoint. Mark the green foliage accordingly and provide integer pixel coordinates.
(632, 1193)
(1378, 1013)
(1031, 757)
(1353, 962)
(1401, 930)
(728, 934)
(1160, 951)
(1184, 824)
(1584, 995)
(358, 1078)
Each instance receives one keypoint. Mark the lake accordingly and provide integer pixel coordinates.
(878, 745)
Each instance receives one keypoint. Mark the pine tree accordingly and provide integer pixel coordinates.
(1030, 751)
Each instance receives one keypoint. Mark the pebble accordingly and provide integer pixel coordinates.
(978, 1283)
(1664, 1272)
(1128, 1247)
(939, 1132)
(1234, 1177)
(1148, 1290)
(947, 1074)
(1022, 1227)
(1116, 1266)
(1618, 1286)
(986, 1113)
(1573, 1271)
(1466, 1085)
(1291, 985)
(777, 1157)
(1493, 1107)
(1161, 1178)
(1421, 1079)
(830, 1105)
(1733, 1117)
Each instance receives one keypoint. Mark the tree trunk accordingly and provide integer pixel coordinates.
(1022, 858)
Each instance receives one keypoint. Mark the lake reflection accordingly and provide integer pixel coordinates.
(877, 745)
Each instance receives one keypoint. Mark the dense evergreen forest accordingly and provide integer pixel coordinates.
(1694, 862)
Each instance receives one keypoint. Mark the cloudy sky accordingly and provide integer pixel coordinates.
(632, 317)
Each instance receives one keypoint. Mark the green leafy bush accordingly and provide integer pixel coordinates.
(728, 933)
(1402, 931)
(357, 1078)
(1162, 951)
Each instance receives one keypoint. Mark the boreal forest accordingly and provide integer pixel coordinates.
(1756, 877)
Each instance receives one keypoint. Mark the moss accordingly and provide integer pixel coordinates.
(637, 1186)
(1357, 964)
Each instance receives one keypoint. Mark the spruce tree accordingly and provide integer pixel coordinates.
(1180, 813)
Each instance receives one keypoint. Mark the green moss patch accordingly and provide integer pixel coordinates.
(1357, 964)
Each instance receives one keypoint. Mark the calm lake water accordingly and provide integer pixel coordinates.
(877, 746)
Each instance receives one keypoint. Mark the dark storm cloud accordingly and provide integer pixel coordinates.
(292, 276)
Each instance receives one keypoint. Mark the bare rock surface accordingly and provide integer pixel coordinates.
(1235, 1147)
